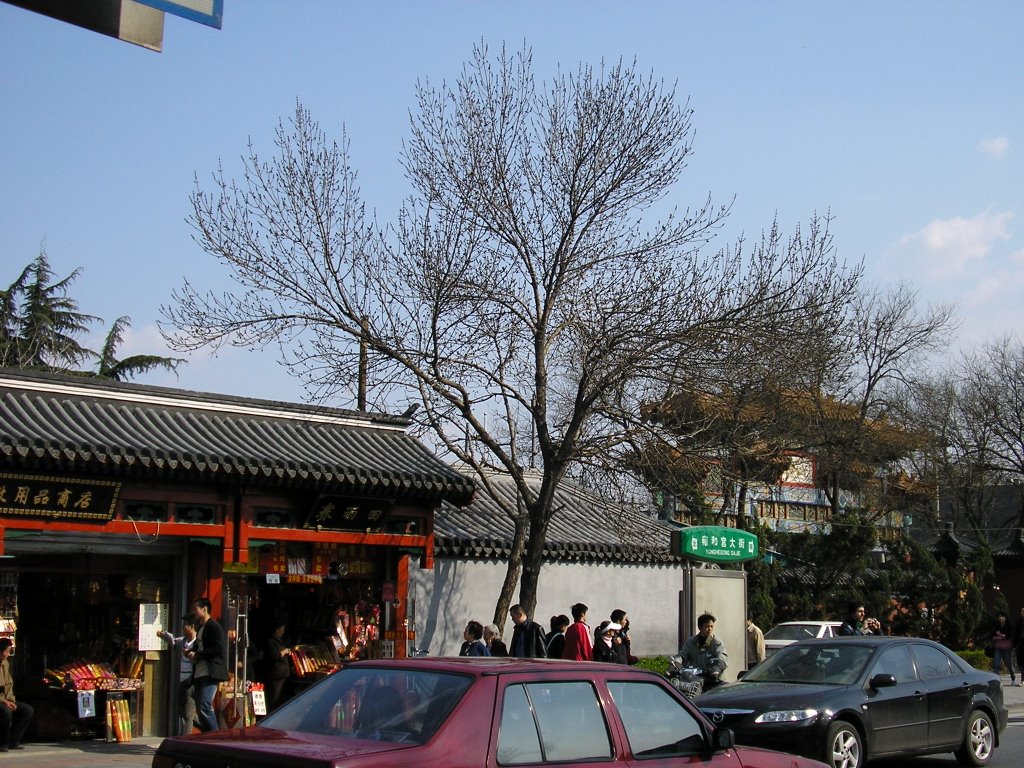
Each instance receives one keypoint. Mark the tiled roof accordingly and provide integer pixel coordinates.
(584, 527)
(71, 424)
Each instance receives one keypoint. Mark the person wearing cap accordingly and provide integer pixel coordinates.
(604, 643)
(621, 639)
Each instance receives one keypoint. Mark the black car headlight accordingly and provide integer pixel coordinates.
(787, 716)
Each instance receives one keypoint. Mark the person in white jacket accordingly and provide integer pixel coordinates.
(186, 701)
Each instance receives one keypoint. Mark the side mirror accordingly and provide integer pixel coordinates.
(741, 673)
(882, 680)
(723, 738)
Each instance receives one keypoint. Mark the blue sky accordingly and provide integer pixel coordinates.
(903, 119)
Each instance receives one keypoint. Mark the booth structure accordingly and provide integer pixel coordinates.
(121, 503)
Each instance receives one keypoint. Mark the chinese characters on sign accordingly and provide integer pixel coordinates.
(317, 557)
(338, 513)
(716, 544)
(58, 498)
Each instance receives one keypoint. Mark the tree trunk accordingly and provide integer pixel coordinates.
(533, 560)
(741, 503)
(512, 573)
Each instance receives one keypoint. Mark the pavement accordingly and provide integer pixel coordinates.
(1013, 697)
(138, 753)
(84, 753)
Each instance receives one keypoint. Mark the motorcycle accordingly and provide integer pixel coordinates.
(688, 680)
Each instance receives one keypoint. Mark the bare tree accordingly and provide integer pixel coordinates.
(522, 296)
(959, 459)
(994, 397)
(884, 347)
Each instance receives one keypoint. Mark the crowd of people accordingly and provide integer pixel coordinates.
(565, 638)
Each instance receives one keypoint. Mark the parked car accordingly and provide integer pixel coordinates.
(851, 699)
(791, 631)
(477, 711)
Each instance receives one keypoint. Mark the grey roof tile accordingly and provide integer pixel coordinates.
(85, 425)
(584, 527)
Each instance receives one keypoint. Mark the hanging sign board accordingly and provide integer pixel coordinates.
(152, 619)
(87, 703)
(715, 544)
(259, 702)
(58, 498)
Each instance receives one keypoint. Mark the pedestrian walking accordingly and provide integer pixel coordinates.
(209, 657)
(622, 640)
(578, 644)
(556, 637)
(186, 694)
(1018, 644)
(527, 636)
(756, 651)
(1002, 645)
(474, 644)
(492, 636)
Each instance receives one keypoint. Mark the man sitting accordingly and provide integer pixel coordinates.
(14, 715)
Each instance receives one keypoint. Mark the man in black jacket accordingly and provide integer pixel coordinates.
(209, 657)
(527, 636)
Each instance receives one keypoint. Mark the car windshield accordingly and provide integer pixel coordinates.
(404, 705)
(837, 664)
(792, 632)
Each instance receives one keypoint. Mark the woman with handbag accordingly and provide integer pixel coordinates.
(1002, 644)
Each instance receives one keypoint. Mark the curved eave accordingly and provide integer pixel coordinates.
(496, 550)
(169, 466)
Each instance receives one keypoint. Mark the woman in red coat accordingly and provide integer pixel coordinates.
(578, 644)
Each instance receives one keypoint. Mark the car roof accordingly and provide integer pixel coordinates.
(483, 665)
(868, 640)
(810, 623)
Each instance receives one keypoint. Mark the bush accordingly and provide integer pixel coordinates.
(977, 659)
(657, 664)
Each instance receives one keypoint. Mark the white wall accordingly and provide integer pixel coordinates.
(457, 591)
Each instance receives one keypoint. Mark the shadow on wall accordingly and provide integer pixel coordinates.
(446, 608)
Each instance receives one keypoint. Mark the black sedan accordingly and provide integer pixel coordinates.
(848, 700)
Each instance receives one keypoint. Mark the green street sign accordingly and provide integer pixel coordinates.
(715, 544)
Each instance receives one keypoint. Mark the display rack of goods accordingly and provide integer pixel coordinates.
(320, 658)
(91, 676)
(8, 604)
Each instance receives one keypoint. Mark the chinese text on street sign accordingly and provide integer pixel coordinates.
(717, 544)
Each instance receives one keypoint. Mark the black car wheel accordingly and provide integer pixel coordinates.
(979, 740)
(843, 746)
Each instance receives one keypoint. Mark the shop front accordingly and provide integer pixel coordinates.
(120, 504)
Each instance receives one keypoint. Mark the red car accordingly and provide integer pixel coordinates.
(478, 712)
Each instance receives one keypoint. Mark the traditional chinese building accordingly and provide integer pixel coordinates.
(121, 503)
(598, 552)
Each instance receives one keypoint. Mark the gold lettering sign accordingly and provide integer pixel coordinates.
(340, 513)
(58, 498)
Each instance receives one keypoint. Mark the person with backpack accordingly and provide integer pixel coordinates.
(556, 637)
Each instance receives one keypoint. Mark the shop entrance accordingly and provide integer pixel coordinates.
(330, 618)
(77, 631)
